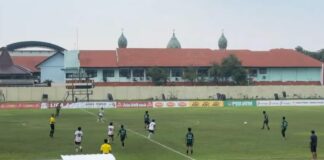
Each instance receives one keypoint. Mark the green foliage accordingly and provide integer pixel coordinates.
(48, 82)
(159, 75)
(229, 65)
(216, 72)
(319, 55)
(232, 68)
(190, 73)
(240, 76)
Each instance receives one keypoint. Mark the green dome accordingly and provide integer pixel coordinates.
(122, 41)
(174, 43)
(222, 42)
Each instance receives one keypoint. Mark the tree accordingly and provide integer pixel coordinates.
(190, 73)
(231, 68)
(159, 75)
(319, 55)
(228, 66)
(240, 76)
(48, 82)
(215, 72)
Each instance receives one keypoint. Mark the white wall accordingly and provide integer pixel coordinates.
(57, 93)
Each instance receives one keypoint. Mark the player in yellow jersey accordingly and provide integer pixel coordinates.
(105, 148)
(52, 125)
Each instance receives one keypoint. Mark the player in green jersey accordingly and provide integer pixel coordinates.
(284, 125)
(123, 134)
(189, 141)
(146, 120)
(266, 120)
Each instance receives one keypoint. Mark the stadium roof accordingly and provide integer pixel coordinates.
(27, 44)
(170, 57)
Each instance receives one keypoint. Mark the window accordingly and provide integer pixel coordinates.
(109, 73)
(203, 72)
(253, 72)
(176, 72)
(263, 71)
(69, 75)
(138, 73)
(124, 73)
(91, 73)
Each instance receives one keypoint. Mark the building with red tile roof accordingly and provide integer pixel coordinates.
(131, 64)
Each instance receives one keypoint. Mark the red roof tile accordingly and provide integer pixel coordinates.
(139, 57)
(276, 58)
(28, 62)
(99, 58)
(164, 57)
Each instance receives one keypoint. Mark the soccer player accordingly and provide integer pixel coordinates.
(52, 125)
(284, 125)
(123, 134)
(266, 120)
(146, 120)
(78, 134)
(151, 128)
(58, 109)
(189, 141)
(111, 129)
(105, 148)
(100, 115)
(313, 144)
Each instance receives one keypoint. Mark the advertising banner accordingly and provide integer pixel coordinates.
(164, 104)
(97, 105)
(134, 104)
(20, 105)
(240, 103)
(290, 103)
(206, 104)
(75, 105)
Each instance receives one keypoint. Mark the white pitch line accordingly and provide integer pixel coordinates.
(153, 141)
(162, 145)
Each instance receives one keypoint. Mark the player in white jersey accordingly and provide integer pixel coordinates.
(111, 129)
(151, 128)
(78, 134)
(101, 115)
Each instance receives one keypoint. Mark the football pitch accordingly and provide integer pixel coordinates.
(220, 133)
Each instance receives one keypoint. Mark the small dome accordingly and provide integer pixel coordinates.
(122, 41)
(174, 43)
(222, 42)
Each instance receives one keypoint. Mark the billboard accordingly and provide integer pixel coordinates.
(76, 105)
(165, 104)
(206, 104)
(20, 105)
(240, 103)
(134, 104)
(310, 102)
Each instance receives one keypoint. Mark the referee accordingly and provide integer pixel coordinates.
(52, 125)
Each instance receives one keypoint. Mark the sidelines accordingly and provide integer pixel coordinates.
(153, 141)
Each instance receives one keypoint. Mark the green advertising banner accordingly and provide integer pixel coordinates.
(240, 103)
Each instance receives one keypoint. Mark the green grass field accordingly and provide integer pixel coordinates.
(219, 133)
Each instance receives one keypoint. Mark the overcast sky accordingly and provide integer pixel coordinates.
(247, 24)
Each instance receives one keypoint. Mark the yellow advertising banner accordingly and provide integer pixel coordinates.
(206, 104)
